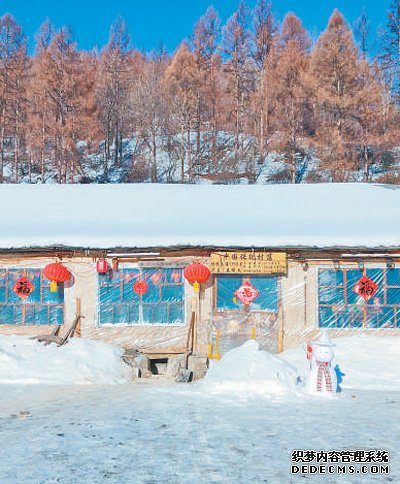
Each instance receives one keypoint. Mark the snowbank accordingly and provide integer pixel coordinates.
(26, 361)
(157, 215)
(368, 362)
(247, 370)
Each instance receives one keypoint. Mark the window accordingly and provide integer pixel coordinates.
(341, 307)
(40, 307)
(267, 286)
(163, 303)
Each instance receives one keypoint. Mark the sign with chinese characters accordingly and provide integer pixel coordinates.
(248, 263)
(365, 288)
(23, 288)
(246, 293)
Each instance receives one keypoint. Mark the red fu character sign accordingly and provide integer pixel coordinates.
(23, 288)
(246, 293)
(365, 288)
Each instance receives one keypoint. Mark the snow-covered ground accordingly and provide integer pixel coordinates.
(238, 425)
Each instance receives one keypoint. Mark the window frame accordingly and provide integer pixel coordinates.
(241, 308)
(396, 307)
(137, 324)
(25, 303)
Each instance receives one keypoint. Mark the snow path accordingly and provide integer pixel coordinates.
(157, 433)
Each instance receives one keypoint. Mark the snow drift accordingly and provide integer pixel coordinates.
(247, 370)
(26, 361)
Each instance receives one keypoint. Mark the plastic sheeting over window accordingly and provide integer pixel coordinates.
(267, 286)
(341, 307)
(40, 307)
(163, 303)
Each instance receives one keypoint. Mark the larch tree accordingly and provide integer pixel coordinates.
(13, 81)
(205, 48)
(292, 92)
(371, 116)
(236, 55)
(390, 51)
(113, 92)
(334, 76)
(182, 78)
(149, 102)
(265, 30)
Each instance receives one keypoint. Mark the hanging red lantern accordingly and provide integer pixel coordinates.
(56, 272)
(197, 274)
(140, 287)
(102, 266)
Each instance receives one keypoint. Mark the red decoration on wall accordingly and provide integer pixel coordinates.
(365, 288)
(23, 288)
(140, 287)
(246, 293)
(56, 272)
(197, 274)
(102, 266)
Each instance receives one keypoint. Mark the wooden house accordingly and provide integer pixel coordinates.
(285, 262)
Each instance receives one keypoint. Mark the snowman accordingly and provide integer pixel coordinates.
(322, 379)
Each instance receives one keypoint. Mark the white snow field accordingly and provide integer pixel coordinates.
(238, 425)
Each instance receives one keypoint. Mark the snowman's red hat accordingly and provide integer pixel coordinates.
(323, 340)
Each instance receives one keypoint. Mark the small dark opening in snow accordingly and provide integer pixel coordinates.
(158, 366)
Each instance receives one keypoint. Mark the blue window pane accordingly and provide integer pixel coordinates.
(327, 318)
(56, 315)
(6, 314)
(54, 297)
(110, 294)
(17, 315)
(356, 315)
(129, 295)
(330, 278)
(331, 295)
(172, 293)
(2, 294)
(121, 314)
(148, 313)
(160, 313)
(133, 310)
(267, 300)
(386, 318)
(106, 314)
(3, 277)
(226, 286)
(393, 277)
(173, 276)
(393, 296)
(176, 313)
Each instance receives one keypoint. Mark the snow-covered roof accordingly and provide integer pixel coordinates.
(155, 215)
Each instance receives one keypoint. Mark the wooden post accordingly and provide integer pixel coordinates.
(281, 329)
(78, 313)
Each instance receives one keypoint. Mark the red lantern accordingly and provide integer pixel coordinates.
(197, 274)
(56, 272)
(102, 266)
(140, 287)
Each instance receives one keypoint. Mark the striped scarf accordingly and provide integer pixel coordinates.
(323, 372)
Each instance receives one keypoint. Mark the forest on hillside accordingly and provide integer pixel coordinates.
(232, 99)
